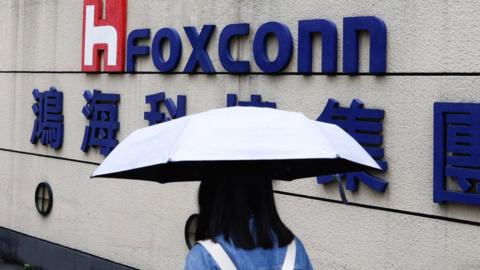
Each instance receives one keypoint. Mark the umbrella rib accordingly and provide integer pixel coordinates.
(177, 144)
(327, 139)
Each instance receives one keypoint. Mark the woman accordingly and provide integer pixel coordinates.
(239, 228)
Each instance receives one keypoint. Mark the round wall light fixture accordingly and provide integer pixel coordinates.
(190, 229)
(44, 198)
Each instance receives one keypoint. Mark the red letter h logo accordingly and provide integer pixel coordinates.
(104, 34)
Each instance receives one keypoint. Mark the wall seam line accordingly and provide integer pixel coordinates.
(366, 206)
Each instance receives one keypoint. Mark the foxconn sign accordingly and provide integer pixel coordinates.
(104, 40)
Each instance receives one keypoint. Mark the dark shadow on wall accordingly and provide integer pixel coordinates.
(22, 249)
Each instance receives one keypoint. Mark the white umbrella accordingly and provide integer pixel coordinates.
(235, 141)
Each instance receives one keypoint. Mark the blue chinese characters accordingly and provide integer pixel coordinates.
(48, 127)
(255, 101)
(102, 112)
(456, 152)
(155, 116)
(365, 126)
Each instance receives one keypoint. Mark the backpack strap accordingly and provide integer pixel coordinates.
(218, 254)
(289, 263)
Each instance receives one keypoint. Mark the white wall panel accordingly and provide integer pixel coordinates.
(141, 224)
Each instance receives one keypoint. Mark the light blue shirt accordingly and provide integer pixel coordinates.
(258, 258)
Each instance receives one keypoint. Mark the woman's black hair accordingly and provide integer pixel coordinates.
(228, 206)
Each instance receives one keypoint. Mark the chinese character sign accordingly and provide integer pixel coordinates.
(255, 101)
(155, 115)
(102, 112)
(456, 153)
(48, 127)
(365, 126)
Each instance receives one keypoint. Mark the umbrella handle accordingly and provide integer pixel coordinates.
(341, 190)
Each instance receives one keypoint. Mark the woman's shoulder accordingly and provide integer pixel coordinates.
(299, 245)
(198, 258)
(301, 259)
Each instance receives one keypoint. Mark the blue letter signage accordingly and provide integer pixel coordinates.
(133, 50)
(306, 30)
(365, 126)
(226, 58)
(102, 112)
(378, 43)
(199, 44)
(48, 127)
(285, 46)
(255, 101)
(456, 172)
(170, 35)
(155, 116)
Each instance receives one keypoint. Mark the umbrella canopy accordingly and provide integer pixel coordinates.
(236, 141)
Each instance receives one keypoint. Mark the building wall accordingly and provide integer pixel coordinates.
(141, 223)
